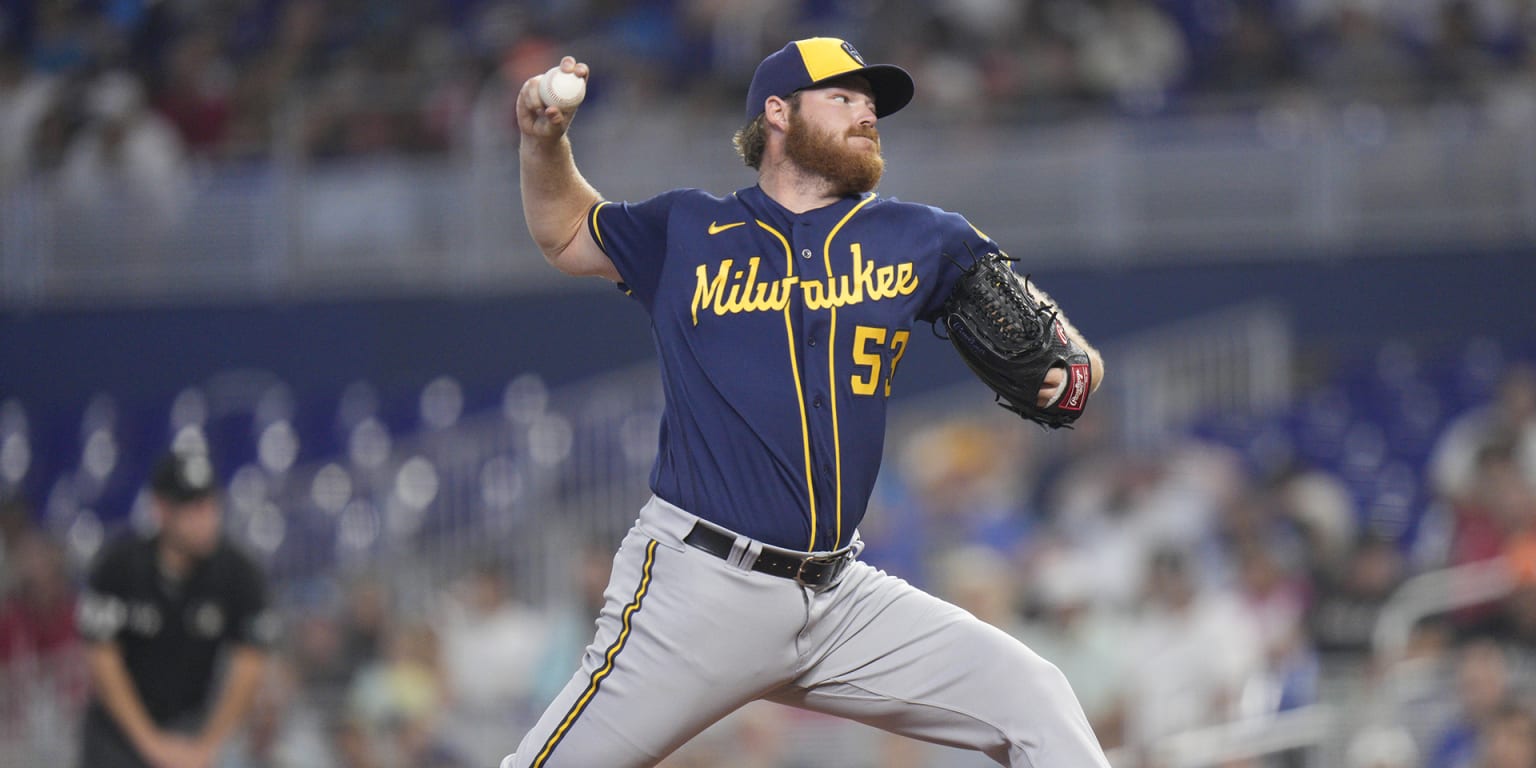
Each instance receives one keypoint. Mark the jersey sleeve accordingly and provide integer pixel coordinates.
(634, 236)
(957, 244)
(102, 610)
(252, 619)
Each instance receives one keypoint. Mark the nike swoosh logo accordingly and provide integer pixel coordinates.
(716, 228)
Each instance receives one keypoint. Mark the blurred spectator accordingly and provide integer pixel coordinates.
(1095, 507)
(1412, 692)
(1044, 62)
(26, 96)
(1356, 56)
(394, 706)
(980, 581)
(1509, 420)
(269, 75)
(491, 646)
(365, 623)
(1117, 508)
(949, 56)
(1457, 62)
(195, 94)
(1082, 639)
(1252, 56)
(127, 160)
(1350, 600)
(1477, 532)
(1195, 650)
(319, 656)
(967, 482)
(1277, 602)
(41, 678)
(285, 729)
(62, 36)
(570, 625)
(1131, 51)
(1483, 686)
(37, 617)
(1508, 739)
(334, 81)
(1318, 505)
(15, 527)
(1498, 518)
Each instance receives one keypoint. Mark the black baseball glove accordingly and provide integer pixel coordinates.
(1011, 340)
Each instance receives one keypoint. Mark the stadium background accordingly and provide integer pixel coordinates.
(1296, 530)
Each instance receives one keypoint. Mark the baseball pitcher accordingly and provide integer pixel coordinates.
(780, 314)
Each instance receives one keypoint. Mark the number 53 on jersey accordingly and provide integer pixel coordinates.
(869, 354)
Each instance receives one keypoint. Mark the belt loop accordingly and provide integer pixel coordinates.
(744, 552)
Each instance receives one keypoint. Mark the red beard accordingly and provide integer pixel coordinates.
(851, 171)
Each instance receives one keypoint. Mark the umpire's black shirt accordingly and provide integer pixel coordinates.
(170, 631)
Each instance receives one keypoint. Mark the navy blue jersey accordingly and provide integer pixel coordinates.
(779, 334)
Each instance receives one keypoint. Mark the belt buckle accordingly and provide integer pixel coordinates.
(819, 559)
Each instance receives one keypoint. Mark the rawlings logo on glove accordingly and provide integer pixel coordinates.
(1011, 340)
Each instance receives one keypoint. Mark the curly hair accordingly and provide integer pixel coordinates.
(750, 141)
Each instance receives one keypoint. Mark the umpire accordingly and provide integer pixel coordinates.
(157, 613)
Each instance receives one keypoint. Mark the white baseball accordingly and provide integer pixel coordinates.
(558, 88)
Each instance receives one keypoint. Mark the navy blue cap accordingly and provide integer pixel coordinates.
(805, 63)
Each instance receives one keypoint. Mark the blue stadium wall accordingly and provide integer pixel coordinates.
(55, 360)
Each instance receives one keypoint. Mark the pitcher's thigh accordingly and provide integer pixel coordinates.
(926, 669)
(680, 644)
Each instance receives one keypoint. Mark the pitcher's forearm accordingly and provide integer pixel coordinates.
(1095, 360)
(555, 196)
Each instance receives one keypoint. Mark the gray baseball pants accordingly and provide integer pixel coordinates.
(686, 637)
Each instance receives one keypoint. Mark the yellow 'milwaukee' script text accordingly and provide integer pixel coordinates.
(730, 290)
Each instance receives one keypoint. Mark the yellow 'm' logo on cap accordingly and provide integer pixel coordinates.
(826, 57)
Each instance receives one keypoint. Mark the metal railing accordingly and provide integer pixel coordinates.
(1325, 728)
(1240, 740)
(526, 485)
(1236, 361)
(1280, 181)
(1437, 592)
